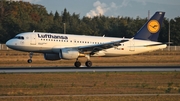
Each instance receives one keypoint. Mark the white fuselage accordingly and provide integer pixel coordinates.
(51, 43)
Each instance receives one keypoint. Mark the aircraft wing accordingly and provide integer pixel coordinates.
(91, 49)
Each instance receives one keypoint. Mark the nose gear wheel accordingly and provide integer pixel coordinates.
(30, 56)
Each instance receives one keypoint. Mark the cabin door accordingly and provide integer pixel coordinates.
(33, 39)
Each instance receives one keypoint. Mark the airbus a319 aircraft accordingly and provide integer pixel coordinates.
(66, 46)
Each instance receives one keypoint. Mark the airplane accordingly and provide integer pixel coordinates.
(56, 46)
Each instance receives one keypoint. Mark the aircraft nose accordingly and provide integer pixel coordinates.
(9, 43)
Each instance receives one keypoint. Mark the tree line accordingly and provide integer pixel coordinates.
(18, 17)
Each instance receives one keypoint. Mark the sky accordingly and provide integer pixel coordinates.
(112, 8)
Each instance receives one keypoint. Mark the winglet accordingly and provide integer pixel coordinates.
(150, 30)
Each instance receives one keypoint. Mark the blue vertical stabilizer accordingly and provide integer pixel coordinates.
(150, 30)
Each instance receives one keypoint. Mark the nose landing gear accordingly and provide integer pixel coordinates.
(30, 56)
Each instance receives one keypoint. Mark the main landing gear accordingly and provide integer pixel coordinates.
(30, 56)
(88, 63)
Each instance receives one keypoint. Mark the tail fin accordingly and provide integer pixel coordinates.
(150, 30)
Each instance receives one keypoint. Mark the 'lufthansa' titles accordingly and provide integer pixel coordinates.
(52, 36)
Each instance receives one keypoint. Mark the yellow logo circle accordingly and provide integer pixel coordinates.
(153, 26)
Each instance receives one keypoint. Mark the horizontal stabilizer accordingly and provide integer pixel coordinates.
(153, 45)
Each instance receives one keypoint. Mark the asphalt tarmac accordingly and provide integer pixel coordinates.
(90, 69)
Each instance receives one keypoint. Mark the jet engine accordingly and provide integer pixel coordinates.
(51, 56)
(65, 53)
(68, 53)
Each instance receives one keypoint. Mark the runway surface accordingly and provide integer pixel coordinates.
(93, 95)
(92, 69)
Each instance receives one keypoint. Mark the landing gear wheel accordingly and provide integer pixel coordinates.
(88, 63)
(77, 64)
(30, 56)
(29, 60)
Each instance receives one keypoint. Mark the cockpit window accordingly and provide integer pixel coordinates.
(19, 37)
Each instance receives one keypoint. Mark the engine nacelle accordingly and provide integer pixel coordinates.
(100, 53)
(68, 53)
(49, 56)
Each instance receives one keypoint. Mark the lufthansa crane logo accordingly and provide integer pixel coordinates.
(153, 26)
